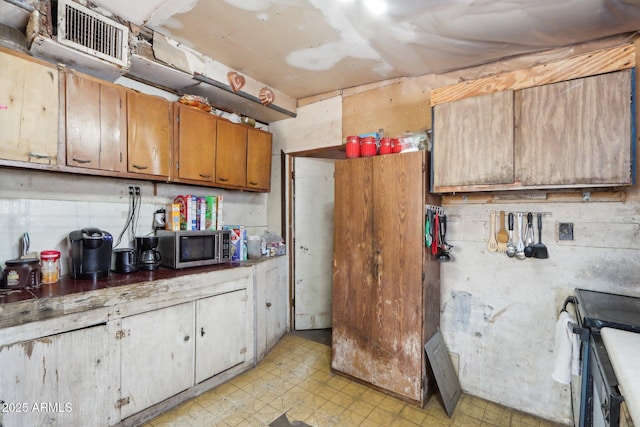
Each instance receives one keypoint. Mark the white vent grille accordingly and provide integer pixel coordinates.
(87, 31)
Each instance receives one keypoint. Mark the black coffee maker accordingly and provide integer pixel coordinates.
(148, 256)
(90, 253)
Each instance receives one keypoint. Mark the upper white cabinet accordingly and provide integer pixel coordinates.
(29, 108)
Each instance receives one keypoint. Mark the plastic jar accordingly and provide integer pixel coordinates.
(352, 147)
(50, 266)
(368, 146)
(385, 146)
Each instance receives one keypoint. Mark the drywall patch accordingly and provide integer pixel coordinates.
(461, 310)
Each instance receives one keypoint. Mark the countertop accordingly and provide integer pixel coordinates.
(45, 301)
(623, 348)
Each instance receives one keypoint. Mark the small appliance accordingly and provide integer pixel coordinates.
(124, 260)
(148, 257)
(90, 253)
(181, 249)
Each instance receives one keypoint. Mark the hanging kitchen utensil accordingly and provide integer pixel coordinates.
(443, 247)
(427, 228)
(511, 247)
(540, 249)
(529, 250)
(520, 242)
(503, 236)
(435, 233)
(492, 245)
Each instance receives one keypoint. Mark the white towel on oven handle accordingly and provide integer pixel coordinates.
(567, 348)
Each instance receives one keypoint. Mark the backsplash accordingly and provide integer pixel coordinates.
(49, 206)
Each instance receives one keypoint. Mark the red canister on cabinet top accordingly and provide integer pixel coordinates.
(368, 146)
(385, 146)
(352, 147)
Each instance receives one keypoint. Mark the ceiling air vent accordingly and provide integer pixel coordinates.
(89, 32)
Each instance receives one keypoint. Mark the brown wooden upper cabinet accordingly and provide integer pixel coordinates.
(231, 155)
(96, 123)
(195, 145)
(571, 134)
(259, 160)
(29, 92)
(149, 135)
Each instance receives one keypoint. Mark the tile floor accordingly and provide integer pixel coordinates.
(295, 378)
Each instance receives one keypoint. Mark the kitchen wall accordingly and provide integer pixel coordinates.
(50, 205)
(498, 314)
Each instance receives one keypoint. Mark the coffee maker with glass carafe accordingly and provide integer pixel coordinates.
(148, 256)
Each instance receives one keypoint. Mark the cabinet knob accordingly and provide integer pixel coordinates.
(268, 304)
(186, 338)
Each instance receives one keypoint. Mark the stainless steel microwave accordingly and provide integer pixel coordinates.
(182, 249)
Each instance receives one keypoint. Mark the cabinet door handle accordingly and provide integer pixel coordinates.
(201, 332)
(223, 179)
(186, 338)
(81, 161)
(253, 183)
(205, 176)
(140, 167)
(268, 304)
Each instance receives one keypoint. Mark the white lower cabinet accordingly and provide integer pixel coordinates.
(271, 303)
(61, 379)
(157, 356)
(220, 333)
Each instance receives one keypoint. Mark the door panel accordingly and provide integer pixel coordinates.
(398, 248)
(353, 269)
(313, 251)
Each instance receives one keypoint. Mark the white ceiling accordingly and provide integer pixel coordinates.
(308, 47)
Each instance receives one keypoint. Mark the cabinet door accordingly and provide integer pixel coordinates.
(157, 356)
(231, 155)
(276, 301)
(258, 160)
(149, 135)
(353, 269)
(196, 144)
(58, 380)
(29, 120)
(473, 142)
(398, 246)
(221, 333)
(577, 132)
(96, 133)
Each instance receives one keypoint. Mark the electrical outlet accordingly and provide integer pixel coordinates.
(565, 231)
(137, 190)
(131, 190)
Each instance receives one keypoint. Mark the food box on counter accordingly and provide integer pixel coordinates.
(211, 215)
(172, 217)
(238, 242)
(188, 211)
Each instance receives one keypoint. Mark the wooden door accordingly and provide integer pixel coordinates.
(398, 246)
(221, 336)
(577, 132)
(258, 160)
(29, 119)
(231, 155)
(58, 380)
(196, 144)
(157, 359)
(473, 142)
(353, 269)
(96, 133)
(149, 134)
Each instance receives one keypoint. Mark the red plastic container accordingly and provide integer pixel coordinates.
(385, 146)
(352, 147)
(368, 146)
(399, 145)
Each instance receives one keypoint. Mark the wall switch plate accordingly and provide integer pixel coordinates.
(565, 231)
